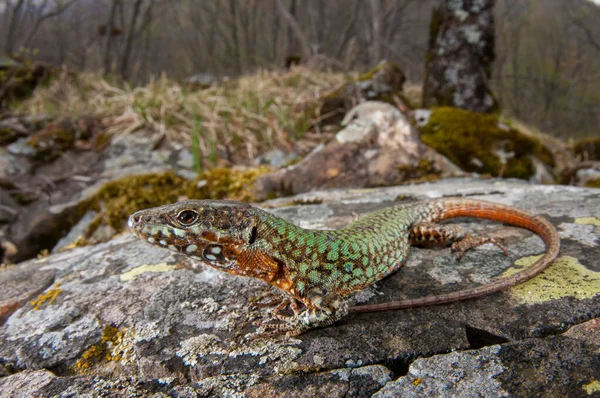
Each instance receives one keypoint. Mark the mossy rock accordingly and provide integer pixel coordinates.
(595, 183)
(118, 199)
(477, 142)
(19, 81)
(587, 148)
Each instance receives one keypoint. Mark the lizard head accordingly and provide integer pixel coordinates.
(216, 232)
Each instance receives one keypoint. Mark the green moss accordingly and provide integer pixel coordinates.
(595, 183)
(116, 200)
(473, 141)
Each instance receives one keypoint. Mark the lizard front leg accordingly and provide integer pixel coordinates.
(320, 309)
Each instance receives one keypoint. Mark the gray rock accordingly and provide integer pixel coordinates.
(124, 318)
(200, 80)
(378, 147)
(276, 158)
(57, 189)
(21, 148)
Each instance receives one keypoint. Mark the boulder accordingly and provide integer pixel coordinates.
(124, 318)
(378, 146)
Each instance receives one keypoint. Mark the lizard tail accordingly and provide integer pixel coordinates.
(451, 208)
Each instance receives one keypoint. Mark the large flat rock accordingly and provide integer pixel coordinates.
(125, 318)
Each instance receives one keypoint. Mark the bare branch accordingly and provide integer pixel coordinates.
(348, 29)
(295, 26)
(60, 8)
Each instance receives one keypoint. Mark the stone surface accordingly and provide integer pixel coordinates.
(51, 191)
(124, 318)
(377, 147)
(460, 56)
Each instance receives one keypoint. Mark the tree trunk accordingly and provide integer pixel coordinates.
(235, 37)
(296, 29)
(460, 56)
(12, 27)
(109, 29)
(130, 35)
(376, 31)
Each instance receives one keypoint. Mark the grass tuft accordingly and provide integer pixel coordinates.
(232, 122)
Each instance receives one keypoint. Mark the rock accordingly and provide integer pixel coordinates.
(21, 148)
(200, 80)
(482, 143)
(58, 188)
(497, 371)
(21, 284)
(29, 383)
(18, 81)
(10, 130)
(378, 147)
(586, 174)
(276, 158)
(460, 56)
(126, 318)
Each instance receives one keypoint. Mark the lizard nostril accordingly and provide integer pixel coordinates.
(136, 219)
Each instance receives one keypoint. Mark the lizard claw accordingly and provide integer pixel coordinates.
(470, 242)
(269, 329)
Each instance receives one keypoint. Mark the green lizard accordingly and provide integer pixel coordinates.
(318, 269)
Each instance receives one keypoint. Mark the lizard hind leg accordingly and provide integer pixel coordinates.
(428, 234)
(325, 309)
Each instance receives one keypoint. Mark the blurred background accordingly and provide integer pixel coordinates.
(111, 106)
(546, 70)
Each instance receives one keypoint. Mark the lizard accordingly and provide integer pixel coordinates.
(319, 269)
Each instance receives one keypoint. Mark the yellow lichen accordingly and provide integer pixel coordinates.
(79, 242)
(50, 296)
(43, 253)
(591, 387)
(478, 142)
(417, 381)
(114, 346)
(588, 221)
(565, 277)
(89, 356)
(132, 274)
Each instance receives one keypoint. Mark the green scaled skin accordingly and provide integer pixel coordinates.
(319, 268)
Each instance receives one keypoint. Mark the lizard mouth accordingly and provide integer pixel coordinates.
(144, 227)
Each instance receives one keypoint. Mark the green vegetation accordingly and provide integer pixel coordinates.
(117, 199)
(479, 143)
(240, 118)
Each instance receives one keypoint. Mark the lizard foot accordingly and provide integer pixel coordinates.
(276, 304)
(470, 242)
(269, 329)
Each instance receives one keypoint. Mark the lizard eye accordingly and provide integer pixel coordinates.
(187, 217)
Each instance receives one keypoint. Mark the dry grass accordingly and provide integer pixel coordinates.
(235, 120)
